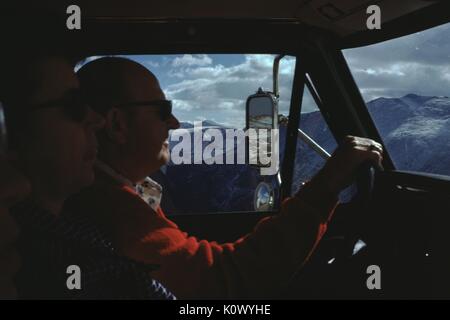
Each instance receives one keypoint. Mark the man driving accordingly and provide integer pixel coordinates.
(133, 144)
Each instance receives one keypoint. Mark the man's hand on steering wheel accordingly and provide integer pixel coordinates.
(342, 167)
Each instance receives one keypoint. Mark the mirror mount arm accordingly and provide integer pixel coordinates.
(276, 67)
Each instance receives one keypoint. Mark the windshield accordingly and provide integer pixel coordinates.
(406, 85)
(209, 94)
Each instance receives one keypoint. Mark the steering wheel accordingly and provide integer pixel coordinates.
(361, 205)
(365, 182)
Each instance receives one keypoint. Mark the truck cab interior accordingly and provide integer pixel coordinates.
(395, 218)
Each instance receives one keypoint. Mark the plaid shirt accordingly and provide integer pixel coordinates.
(49, 244)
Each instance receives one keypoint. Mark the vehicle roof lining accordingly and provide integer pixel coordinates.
(342, 18)
(108, 30)
(257, 35)
(192, 36)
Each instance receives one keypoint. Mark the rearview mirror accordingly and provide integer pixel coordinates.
(261, 119)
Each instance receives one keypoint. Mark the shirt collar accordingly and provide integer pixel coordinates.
(149, 190)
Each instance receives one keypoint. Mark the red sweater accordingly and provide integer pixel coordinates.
(254, 266)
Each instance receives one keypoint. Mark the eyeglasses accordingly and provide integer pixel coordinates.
(164, 107)
(73, 104)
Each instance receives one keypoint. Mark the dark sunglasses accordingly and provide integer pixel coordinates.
(164, 107)
(72, 103)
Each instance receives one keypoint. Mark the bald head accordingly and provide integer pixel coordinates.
(111, 81)
(133, 140)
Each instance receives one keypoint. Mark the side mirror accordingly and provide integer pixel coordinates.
(264, 197)
(261, 113)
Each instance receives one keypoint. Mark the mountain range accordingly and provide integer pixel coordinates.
(415, 130)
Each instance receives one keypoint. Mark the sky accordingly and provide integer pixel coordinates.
(215, 87)
(417, 63)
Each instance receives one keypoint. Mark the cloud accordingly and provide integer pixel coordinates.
(217, 87)
(182, 105)
(235, 82)
(220, 91)
(403, 78)
(192, 60)
(417, 63)
(151, 64)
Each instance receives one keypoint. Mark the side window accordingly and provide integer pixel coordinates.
(211, 91)
(308, 161)
(406, 85)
